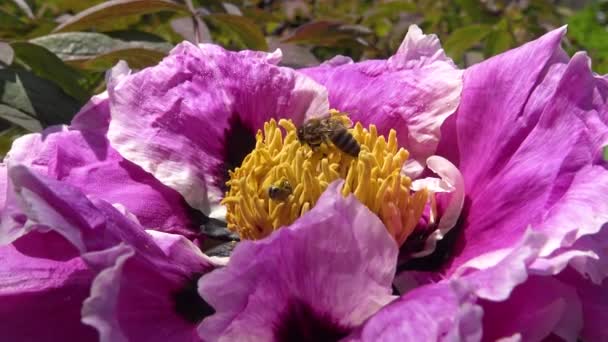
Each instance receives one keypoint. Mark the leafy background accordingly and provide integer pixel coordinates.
(54, 53)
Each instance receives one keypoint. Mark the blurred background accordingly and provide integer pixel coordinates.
(53, 53)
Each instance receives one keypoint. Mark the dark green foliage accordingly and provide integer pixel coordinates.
(32, 102)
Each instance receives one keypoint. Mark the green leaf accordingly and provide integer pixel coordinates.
(79, 45)
(465, 38)
(605, 152)
(32, 102)
(136, 58)
(135, 36)
(6, 54)
(98, 52)
(474, 11)
(587, 31)
(110, 10)
(9, 21)
(499, 40)
(326, 33)
(244, 28)
(72, 6)
(45, 64)
(260, 17)
(387, 10)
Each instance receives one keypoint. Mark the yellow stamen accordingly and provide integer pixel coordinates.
(374, 177)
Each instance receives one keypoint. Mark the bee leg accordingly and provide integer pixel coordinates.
(315, 146)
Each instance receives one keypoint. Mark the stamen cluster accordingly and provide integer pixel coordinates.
(279, 158)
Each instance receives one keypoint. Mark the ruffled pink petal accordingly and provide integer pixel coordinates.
(505, 285)
(145, 288)
(321, 277)
(440, 312)
(135, 297)
(3, 184)
(594, 300)
(449, 192)
(413, 92)
(86, 160)
(90, 225)
(537, 309)
(94, 116)
(43, 283)
(528, 134)
(190, 118)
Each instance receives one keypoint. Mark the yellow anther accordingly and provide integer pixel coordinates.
(374, 177)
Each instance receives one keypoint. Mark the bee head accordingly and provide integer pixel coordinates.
(273, 191)
(301, 134)
(285, 185)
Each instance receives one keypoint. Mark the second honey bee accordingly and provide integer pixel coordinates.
(316, 131)
(280, 191)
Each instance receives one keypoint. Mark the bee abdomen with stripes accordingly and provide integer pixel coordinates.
(344, 141)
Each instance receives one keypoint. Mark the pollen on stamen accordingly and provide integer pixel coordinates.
(374, 177)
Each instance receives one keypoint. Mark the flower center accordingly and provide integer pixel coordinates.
(282, 178)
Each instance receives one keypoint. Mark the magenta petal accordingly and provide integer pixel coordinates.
(12, 218)
(594, 263)
(440, 312)
(413, 92)
(537, 306)
(89, 226)
(86, 160)
(136, 297)
(3, 184)
(188, 119)
(448, 189)
(322, 276)
(594, 300)
(43, 283)
(99, 310)
(144, 279)
(528, 134)
(536, 309)
(94, 116)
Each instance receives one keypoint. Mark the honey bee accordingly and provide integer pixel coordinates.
(280, 191)
(316, 131)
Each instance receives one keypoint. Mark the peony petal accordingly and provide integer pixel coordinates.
(3, 184)
(594, 304)
(99, 308)
(419, 50)
(536, 309)
(192, 117)
(413, 92)
(94, 116)
(89, 226)
(12, 219)
(540, 150)
(43, 283)
(537, 306)
(581, 212)
(594, 265)
(136, 297)
(86, 160)
(451, 203)
(321, 277)
(439, 312)
(142, 279)
(493, 276)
